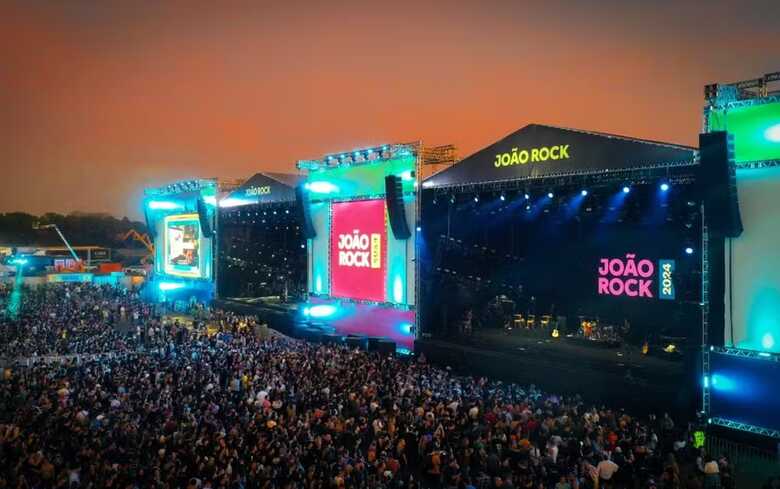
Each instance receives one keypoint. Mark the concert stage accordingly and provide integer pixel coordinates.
(617, 376)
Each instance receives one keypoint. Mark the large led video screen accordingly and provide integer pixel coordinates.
(756, 130)
(745, 390)
(358, 248)
(753, 265)
(183, 255)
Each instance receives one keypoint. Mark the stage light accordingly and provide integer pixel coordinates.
(18, 261)
(526, 196)
(476, 198)
(689, 251)
(626, 189)
(768, 341)
(306, 311)
(773, 133)
(503, 196)
(419, 229)
(164, 205)
(427, 184)
(322, 187)
(550, 195)
(170, 285)
(584, 193)
(322, 311)
(407, 175)
(406, 328)
(706, 381)
(528, 208)
(452, 199)
(664, 187)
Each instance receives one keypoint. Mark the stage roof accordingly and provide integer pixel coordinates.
(264, 187)
(539, 151)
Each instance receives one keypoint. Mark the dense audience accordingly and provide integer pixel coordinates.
(179, 408)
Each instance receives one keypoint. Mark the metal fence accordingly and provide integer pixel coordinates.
(752, 466)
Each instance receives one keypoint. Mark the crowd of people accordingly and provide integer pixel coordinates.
(178, 408)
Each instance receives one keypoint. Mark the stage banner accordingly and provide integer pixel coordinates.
(538, 151)
(358, 244)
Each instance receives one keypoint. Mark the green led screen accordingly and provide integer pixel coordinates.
(756, 130)
(360, 180)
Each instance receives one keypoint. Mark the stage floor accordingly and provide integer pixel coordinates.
(569, 366)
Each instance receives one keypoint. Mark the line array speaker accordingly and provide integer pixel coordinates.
(718, 184)
(203, 216)
(304, 212)
(396, 211)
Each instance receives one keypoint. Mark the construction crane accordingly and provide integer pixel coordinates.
(144, 239)
(79, 263)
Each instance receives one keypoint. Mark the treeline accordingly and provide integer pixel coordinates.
(81, 229)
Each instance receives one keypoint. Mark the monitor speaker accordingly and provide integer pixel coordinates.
(205, 222)
(304, 210)
(718, 184)
(396, 212)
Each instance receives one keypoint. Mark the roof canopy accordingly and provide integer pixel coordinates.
(538, 151)
(263, 187)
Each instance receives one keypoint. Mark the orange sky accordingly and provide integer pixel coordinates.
(98, 101)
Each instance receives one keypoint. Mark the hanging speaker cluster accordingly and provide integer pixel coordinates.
(396, 211)
(304, 212)
(203, 216)
(718, 184)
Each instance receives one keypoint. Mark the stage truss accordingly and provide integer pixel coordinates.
(729, 423)
(746, 93)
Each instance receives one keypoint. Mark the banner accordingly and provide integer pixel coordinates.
(537, 151)
(358, 245)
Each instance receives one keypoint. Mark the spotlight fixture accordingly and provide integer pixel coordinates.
(689, 251)
(528, 208)
(626, 189)
(664, 187)
(452, 199)
(476, 198)
(527, 196)
(503, 196)
(550, 195)
(435, 201)
(584, 193)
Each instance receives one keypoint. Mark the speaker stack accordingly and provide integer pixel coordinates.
(304, 212)
(396, 211)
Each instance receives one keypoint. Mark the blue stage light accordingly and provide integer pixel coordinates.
(419, 229)
(550, 195)
(689, 251)
(584, 193)
(768, 341)
(706, 381)
(626, 189)
(322, 187)
(322, 311)
(476, 198)
(170, 285)
(406, 328)
(527, 196)
(502, 197)
(664, 187)
(164, 205)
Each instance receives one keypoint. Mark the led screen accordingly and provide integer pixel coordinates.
(756, 130)
(745, 390)
(753, 264)
(183, 253)
(358, 248)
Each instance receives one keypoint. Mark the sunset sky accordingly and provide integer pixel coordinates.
(101, 99)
